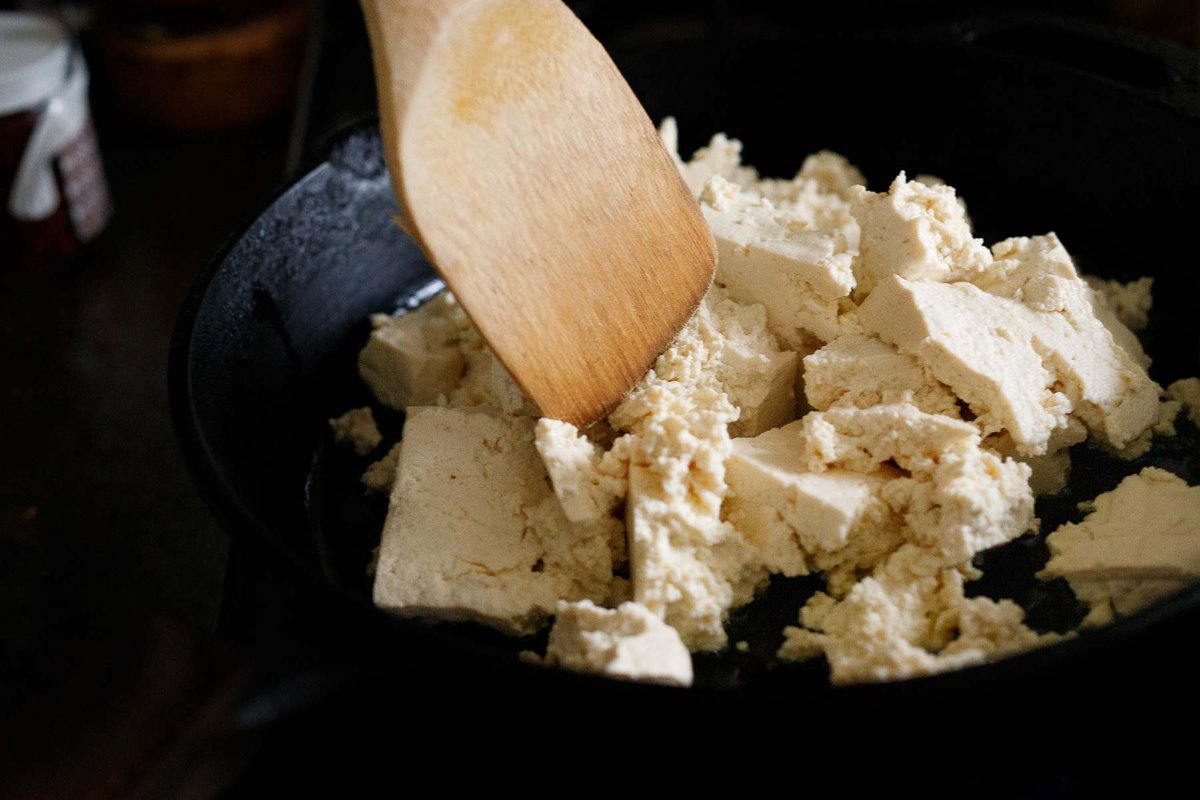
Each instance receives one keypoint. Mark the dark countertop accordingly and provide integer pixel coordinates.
(102, 527)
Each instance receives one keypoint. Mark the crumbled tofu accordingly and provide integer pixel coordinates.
(864, 371)
(1139, 542)
(1036, 271)
(910, 617)
(1186, 392)
(414, 358)
(863, 438)
(756, 375)
(1168, 412)
(1130, 302)
(831, 172)
(817, 198)
(726, 347)
(474, 530)
(942, 385)
(989, 629)
(722, 157)
(477, 386)
(799, 273)
(798, 521)
(839, 490)
(915, 231)
(934, 180)
(1049, 474)
(357, 427)
(971, 501)
(1023, 366)
(957, 498)
(687, 565)
(381, 474)
(628, 642)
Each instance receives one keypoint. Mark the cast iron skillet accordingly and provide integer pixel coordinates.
(1040, 124)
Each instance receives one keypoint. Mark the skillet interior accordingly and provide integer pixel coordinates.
(265, 353)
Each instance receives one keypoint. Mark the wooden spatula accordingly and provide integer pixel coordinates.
(531, 176)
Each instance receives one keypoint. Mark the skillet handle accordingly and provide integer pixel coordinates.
(1150, 67)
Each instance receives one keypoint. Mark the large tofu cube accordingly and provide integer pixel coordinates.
(474, 531)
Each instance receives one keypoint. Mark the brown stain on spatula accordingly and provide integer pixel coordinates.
(532, 177)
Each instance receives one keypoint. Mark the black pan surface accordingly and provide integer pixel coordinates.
(1041, 125)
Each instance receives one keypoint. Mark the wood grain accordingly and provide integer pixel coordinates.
(531, 176)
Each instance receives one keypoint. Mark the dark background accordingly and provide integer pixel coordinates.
(112, 572)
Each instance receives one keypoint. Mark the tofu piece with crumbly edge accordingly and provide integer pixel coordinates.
(357, 427)
(628, 642)
(474, 531)
(411, 359)
(588, 481)
(864, 371)
(1122, 334)
(1020, 369)
(756, 375)
(1039, 272)
(799, 273)
(1139, 542)
(800, 522)
(916, 231)
(977, 345)
(934, 180)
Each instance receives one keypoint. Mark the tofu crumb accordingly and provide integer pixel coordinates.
(628, 642)
(357, 428)
(1186, 392)
(381, 474)
(1130, 302)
